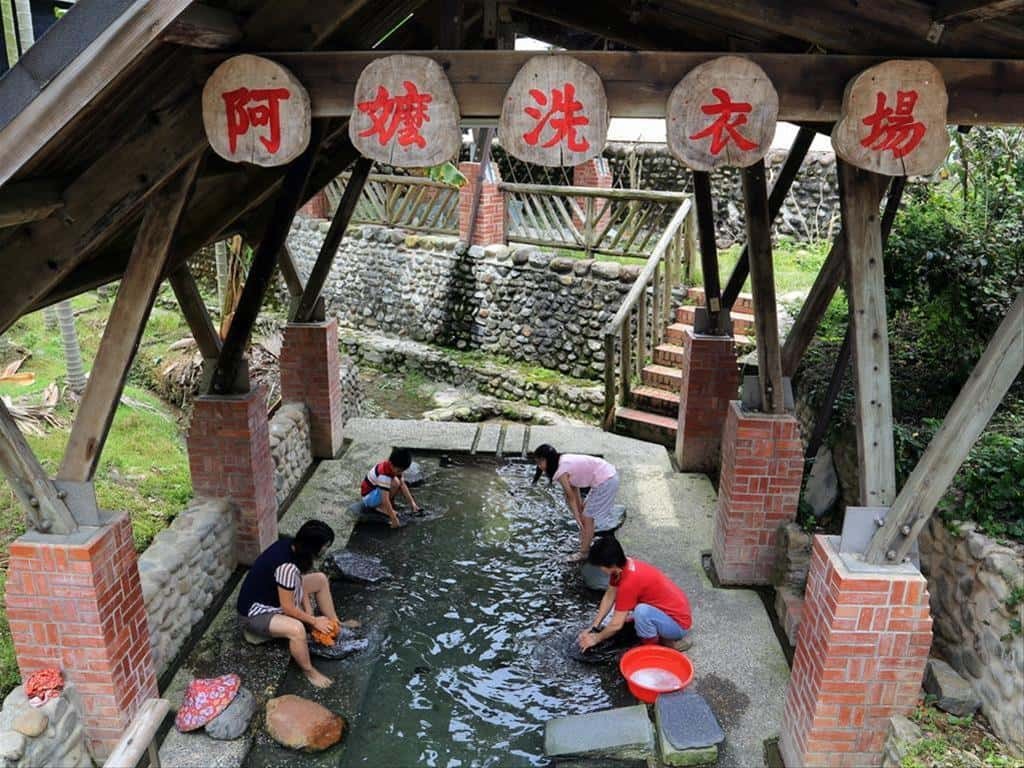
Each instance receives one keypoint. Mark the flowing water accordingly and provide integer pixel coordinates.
(470, 642)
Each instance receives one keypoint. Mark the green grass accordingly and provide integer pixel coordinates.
(795, 265)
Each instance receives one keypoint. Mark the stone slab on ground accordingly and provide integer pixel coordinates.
(624, 733)
(686, 721)
(488, 440)
(952, 693)
(422, 435)
(356, 567)
(515, 439)
(198, 750)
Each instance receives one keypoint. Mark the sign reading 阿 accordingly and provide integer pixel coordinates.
(554, 113)
(893, 119)
(722, 113)
(405, 114)
(255, 111)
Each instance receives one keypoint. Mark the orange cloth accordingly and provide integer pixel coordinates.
(328, 638)
(44, 685)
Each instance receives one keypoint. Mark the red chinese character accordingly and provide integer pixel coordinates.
(894, 130)
(266, 113)
(718, 129)
(404, 114)
(566, 107)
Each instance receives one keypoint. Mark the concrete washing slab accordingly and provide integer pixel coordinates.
(624, 733)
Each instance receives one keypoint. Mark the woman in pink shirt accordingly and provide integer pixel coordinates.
(575, 471)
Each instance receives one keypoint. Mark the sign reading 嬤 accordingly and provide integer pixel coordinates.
(722, 113)
(893, 119)
(256, 111)
(405, 113)
(554, 113)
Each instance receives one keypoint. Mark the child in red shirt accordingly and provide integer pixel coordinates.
(661, 610)
(383, 481)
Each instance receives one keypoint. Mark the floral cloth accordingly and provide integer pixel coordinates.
(205, 699)
(44, 685)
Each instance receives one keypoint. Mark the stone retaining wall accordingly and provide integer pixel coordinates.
(970, 579)
(50, 735)
(183, 570)
(523, 303)
(290, 448)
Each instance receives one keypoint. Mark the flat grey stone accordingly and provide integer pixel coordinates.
(356, 567)
(822, 488)
(624, 733)
(198, 750)
(594, 577)
(233, 721)
(953, 693)
(12, 745)
(686, 721)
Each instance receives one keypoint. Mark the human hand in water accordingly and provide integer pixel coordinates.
(323, 625)
(587, 640)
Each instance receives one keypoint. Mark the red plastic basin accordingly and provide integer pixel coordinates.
(655, 657)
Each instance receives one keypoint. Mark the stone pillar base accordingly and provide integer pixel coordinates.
(490, 228)
(860, 659)
(75, 602)
(310, 374)
(758, 490)
(229, 457)
(711, 380)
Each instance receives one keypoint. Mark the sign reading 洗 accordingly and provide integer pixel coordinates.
(256, 111)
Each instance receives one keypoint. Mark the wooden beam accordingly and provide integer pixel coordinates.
(705, 205)
(27, 201)
(289, 200)
(289, 272)
(958, 11)
(987, 385)
(124, 328)
(478, 187)
(139, 736)
(194, 309)
(829, 277)
(862, 234)
(329, 247)
(835, 384)
(780, 188)
(762, 284)
(274, 24)
(204, 26)
(810, 86)
(44, 504)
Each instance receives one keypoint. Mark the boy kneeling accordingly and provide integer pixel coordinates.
(385, 480)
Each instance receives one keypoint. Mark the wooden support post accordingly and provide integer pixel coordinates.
(780, 188)
(289, 199)
(641, 324)
(329, 248)
(862, 233)
(762, 283)
(124, 328)
(690, 244)
(988, 383)
(478, 189)
(194, 309)
(708, 246)
(625, 372)
(291, 276)
(834, 385)
(609, 381)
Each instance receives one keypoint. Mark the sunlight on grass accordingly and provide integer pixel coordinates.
(796, 265)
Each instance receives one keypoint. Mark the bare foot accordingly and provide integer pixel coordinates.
(316, 679)
(352, 623)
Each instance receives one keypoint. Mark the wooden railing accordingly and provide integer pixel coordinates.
(633, 333)
(406, 202)
(139, 737)
(614, 222)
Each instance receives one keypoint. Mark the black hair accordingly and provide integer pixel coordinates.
(606, 552)
(550, 456)
(401, 458)
(312, 537)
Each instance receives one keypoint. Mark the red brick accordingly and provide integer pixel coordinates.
(310, 375)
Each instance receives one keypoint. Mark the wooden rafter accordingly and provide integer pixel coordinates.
(194, 309)
(204, 26)
(27, 201)
(949, 11)
(290, 273)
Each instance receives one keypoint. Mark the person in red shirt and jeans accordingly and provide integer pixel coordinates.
(660, 609)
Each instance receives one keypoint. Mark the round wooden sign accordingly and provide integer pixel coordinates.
(256, 111)
(405, 113)
(893, 119)
(555, 113)
(723, 113)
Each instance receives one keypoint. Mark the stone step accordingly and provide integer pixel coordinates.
(669, 354)
(642, 425)
(656, 400)
(674, 335)
(663, 377)
(688, 731)
(744, 302)
(789, 605)
(742, 322)
(624, 733)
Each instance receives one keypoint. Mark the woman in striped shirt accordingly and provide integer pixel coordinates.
(274, 600)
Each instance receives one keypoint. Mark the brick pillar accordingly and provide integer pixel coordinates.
(316, 207)
(310, 374)
(229, 457)
(860, 657)
(593, 173)
(711, 381)
(75, 602)
(490, 219)
(758, 490)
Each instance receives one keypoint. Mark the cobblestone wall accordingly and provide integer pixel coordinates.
(50, 735)
(290, 448)
(183, 570)
(526, 304)
(970, 579)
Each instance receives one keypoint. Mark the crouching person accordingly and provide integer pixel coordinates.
(637, 590)
(274, 600)
(384, 482)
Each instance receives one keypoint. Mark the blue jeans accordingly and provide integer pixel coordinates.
(652, 622)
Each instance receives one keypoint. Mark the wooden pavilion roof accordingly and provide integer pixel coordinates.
(105, 108)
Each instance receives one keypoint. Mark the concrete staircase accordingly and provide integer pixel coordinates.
(654, 405)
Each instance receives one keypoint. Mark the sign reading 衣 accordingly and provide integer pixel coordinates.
(554, 113)
(722, 113)
(256, 111)
(893, 119)
(405, 113)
